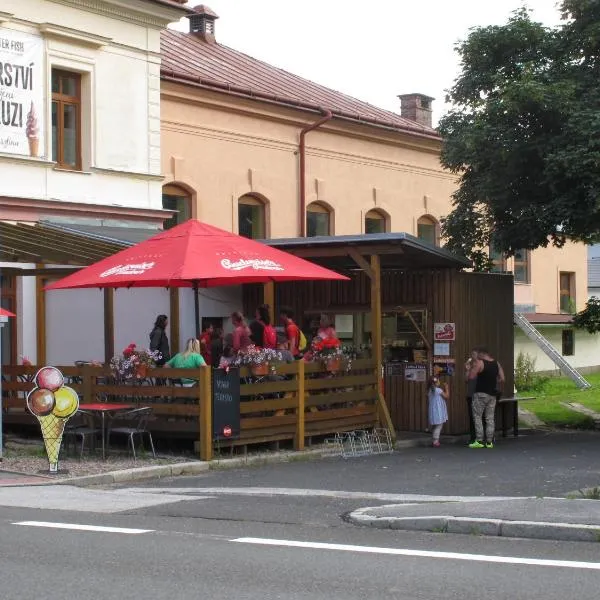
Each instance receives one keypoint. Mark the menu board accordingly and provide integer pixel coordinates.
(226, 404)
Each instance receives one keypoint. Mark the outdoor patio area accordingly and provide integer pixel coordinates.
(294, 401)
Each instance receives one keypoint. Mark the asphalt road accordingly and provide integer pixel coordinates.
(181, 554)
(278, 532)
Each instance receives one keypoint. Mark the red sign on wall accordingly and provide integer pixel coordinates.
(444, 332)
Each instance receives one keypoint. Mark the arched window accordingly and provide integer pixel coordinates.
(428, 230)
(178, 199)
(375, 222)
(318, 220)
(251, 218)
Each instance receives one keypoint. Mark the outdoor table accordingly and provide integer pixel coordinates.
(103, 408)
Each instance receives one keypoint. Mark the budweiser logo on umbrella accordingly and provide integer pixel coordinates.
(138, 269)
(256, 263)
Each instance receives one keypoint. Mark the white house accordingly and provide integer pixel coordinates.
(79, 145)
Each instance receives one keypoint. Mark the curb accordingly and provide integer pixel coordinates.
(125, 475)
(564, 532)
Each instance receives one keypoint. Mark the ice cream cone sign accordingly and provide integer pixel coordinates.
(53, 404)
(32, 131)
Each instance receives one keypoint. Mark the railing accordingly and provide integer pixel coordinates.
(302, 400)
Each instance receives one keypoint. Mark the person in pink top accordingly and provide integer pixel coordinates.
(326, 329)
(241, 332)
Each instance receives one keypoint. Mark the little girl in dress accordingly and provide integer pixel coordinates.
(438, 412)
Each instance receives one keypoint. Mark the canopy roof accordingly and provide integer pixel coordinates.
(396, 251)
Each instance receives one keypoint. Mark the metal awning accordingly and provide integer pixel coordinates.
(396, 251)
(54, 244)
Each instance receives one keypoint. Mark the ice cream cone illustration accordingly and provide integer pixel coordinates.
(33, 132)
(52, 405)
(52, 432)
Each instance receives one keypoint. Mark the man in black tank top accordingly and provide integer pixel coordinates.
(489, 377)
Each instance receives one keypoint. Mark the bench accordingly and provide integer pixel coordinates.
(504, 403)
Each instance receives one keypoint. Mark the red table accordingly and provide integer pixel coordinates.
(103, 408)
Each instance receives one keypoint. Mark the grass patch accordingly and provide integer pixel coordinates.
(547, 404)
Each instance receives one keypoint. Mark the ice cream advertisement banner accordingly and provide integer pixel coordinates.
(53, 404)
(21, 93)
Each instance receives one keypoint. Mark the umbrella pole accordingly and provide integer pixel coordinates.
(196, 307)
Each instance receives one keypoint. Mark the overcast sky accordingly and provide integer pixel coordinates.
(372, 50)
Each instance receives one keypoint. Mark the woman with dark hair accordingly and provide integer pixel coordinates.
(216, 347)
(257, 327)
(159, 340)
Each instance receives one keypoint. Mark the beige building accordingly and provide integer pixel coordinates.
(262, 152)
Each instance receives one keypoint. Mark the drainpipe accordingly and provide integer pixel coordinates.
(327, 116)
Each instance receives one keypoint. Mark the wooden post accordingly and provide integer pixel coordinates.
(269, 298)
(299, 441)
(174, 320)
(86, 384)
(205, 399)
(109, 324)
(377, 341)
(376, 337)
(40, 316)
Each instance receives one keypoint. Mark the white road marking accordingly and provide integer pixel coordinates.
(307, 493)
(509, 560)
(79, 527)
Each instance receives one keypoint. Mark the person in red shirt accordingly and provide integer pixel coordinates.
(292, 332)
(205, 340)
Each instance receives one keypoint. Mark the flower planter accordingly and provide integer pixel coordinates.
(261, 369)
(334, 364)
(141, 371)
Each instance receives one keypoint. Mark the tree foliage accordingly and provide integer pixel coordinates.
(524, 134)
(589, 317)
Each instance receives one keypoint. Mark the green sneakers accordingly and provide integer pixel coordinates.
(476, 444)
(489, 445)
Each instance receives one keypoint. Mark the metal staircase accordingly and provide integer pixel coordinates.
(553, 354)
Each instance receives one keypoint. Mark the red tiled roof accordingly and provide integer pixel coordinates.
(548, 318)
(188, 59)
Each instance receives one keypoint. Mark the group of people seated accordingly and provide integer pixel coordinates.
(215, 349)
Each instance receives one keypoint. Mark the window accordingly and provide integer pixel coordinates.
(568, 342)
(567, 292)
(497, 258)
(318, 220)
(251, 218)
(427, 230)
(175, 198)
(521, 266)
(66, 119)
(375, 222)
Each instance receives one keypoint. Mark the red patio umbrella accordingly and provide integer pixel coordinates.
(6, 313)
(195, 255)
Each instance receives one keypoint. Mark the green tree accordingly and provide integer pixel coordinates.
(589, 317)
(524, 134)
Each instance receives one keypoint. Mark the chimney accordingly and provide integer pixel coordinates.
(416, 107)
(202, 23)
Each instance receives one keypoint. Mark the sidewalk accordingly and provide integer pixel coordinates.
(10, 479)
(536, 518)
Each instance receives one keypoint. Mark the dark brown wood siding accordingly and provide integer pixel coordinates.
(480, 304)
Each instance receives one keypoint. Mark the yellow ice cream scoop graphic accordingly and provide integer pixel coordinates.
(66, 402)
(53, 407)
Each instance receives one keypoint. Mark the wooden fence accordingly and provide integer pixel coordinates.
(301, 401)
